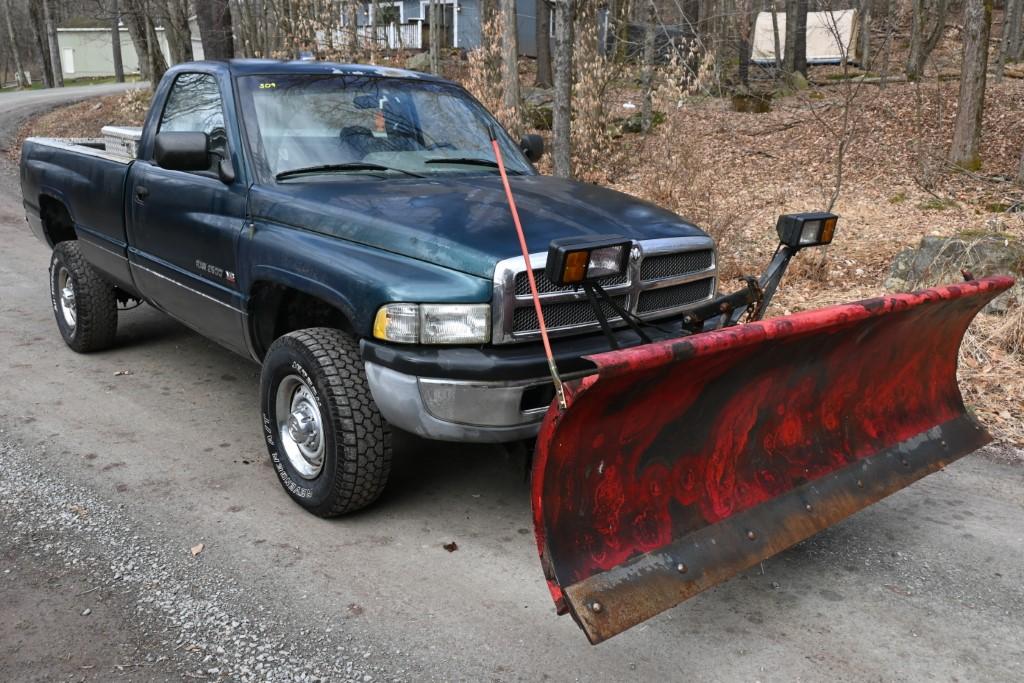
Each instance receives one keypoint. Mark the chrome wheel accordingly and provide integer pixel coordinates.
(300, 426)
(66, 292)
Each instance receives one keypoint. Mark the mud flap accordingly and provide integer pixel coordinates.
(681, 463)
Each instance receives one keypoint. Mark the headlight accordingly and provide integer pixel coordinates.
(434, 323)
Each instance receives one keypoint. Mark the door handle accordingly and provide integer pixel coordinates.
(141, 191)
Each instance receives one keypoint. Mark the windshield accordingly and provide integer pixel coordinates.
(306, 126)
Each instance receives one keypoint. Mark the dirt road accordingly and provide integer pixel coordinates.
(115, 465)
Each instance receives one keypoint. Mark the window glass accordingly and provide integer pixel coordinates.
(194, 106)
(422, 127)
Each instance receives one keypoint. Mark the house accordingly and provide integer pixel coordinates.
(406, 23)
(88, 52)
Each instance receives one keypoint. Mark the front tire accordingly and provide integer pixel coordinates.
(84, 304)
(327, 441)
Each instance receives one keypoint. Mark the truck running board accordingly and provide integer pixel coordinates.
(681, 463)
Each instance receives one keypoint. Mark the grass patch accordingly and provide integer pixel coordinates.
(937, 204)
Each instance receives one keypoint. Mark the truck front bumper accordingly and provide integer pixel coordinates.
(459, 410)
(488, 394)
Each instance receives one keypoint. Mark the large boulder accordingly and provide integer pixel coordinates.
(419, 62)
(538, 107)
(939, 260)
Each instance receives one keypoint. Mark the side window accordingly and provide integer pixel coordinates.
(194, 105)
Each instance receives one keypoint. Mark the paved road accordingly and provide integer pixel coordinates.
(928, 584)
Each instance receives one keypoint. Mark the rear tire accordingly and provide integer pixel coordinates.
(327, 441)
(84, 304)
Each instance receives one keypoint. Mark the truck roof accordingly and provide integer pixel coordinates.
(246, 67)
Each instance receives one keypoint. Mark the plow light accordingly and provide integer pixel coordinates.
(799, 230)
(575, 260)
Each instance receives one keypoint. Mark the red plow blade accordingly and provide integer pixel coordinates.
(681, 463)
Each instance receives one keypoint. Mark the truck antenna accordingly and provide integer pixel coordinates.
(559, 391)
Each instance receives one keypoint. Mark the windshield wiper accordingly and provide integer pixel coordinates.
(471, 161)
(350, 166)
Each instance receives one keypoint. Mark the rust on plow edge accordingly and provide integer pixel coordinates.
(671, 439)
(641, 588)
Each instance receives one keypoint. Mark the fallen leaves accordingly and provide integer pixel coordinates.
(451, 547)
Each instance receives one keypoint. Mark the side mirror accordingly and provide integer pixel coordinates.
(182, 151)
(532, 146)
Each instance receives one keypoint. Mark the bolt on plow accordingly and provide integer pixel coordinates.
(676, 464)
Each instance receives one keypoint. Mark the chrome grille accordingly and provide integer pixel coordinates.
(546, 286)
(675, 296)
(664, 277)
(569, 314)
(671, 265)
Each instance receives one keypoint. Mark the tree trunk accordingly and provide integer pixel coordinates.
(115, 42)
(865, 35)
(510, 67)
(647, 109)
(42, 46)
(353, 30)
(967, 127)
(139, 20)
(799, 38)
(921, 45)
(176, 28)
(51, 39)
(790, 50)
(775, 36)
(744, 30)
(1013, 35)
(214, 19)
(435, 37)
(19, 71)
(544, 79)
(561, 126)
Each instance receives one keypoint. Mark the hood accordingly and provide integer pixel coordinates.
(461, 222)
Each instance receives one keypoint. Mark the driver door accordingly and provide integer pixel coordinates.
(184, 226)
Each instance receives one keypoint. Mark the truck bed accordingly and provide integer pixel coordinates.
(86, 175)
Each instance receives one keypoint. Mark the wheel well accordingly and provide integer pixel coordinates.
(277, 310)
(57, 221)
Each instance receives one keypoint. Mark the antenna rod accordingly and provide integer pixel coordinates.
(559, 391)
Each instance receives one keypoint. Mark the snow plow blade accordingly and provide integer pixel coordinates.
(681, 463)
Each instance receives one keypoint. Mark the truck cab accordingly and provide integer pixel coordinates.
(346, 226)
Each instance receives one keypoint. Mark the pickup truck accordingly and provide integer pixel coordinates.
(346, 227)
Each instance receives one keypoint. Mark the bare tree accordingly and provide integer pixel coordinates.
(796, 36)
(214, 19)
(971, 104)
(19, 70)
(543, 32)
(54, 46)
(922, 44)
(865, 35)
(435, 37)
(510, 66)
(1012, 35)
(775, 36)
(35, 15)
(115, 42)
(647, 110)
(561, 127)
(174, 16)
(138, 17)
